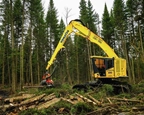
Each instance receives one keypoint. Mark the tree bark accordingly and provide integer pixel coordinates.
(22, 51)
(30, 55)
(13, 48)
(67, 69)
(77, 63)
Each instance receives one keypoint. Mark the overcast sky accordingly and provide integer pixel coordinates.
(73, 5)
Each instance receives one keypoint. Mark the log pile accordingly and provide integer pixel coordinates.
(14, 105)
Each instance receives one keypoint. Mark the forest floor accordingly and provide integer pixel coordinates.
(66, 101)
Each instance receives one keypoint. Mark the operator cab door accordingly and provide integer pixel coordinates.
(103, 66)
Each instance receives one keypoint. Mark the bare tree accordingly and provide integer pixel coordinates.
(67, 14)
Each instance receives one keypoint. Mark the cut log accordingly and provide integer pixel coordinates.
(9, 108)
(32, 106)
(4, 107)
(36, 98)
(18, 98)
(138, 108)
(68, 100)
(39, 86)
(49, 97)
(21, 108)
(48, 103)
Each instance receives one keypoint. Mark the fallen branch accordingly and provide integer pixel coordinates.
(127, 100)
(103, 111)
(86, 99)
(109, 100)
(96, 101)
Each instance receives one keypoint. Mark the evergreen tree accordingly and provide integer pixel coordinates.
(52, 28)
(112, 44)
(37, 39)
(90, 18)
(52, 23)
(82, 44)
(8, 46)
(120, 26)
(83, 11)
(119, 16)
(17, 20)
(61, 56)
(131, 9)
(106, 26)
(40, 41)
(92, 22)
(17, 14)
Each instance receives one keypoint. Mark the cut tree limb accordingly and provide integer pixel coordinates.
(68, 100)
(109, 100)
(86, 99)
(96, 101)
(127, 100)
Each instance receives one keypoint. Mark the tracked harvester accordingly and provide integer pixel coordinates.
(106, 69)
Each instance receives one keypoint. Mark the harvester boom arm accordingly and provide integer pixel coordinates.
(78, 28)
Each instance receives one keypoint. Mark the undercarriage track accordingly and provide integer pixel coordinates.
(118, 87)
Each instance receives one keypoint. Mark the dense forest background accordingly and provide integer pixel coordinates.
(28, 38)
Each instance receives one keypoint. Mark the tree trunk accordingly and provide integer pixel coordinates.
(38, 68)
(89, 61)
(67, 69)
(3, 70)
(141, 43)
(22, 52)
(127, 60)
(30, 55)
(132, 70)
(3, 63)
(30, 63)
(13, 48)
(77, 64)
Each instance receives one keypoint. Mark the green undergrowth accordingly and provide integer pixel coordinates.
(138, 87)
(61, 90)
(81, 108)
(61, 108)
